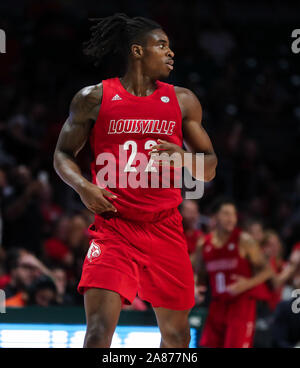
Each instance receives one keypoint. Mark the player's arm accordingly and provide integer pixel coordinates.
(288, 271)
(200, 269)
(193, 256)
(195, 137)
(200, 274)
(261, 269)
(83, 113)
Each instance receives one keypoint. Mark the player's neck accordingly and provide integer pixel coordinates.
(221, 236)
(189, 230)
(137, 83)
(188, 226)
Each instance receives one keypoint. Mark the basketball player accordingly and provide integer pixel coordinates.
(137, 241)
(235, 265)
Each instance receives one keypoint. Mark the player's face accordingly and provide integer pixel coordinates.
(158, 57)
(227, 217)
(272, 247)
(44, 297)
(189, 213)
(25, 273)
(257, 232)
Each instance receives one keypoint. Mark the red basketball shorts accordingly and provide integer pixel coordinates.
(145, 258)
(230, 324)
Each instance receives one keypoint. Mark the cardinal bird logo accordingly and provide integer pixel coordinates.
(94, 251)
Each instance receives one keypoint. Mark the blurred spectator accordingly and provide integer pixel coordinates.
(291, 271)
(2, 258)
(42, 292)
(77, 236)
(50, 210)
(217, 41)
(78, 243)
(63, 297)
(56, 248)
(190, 219)
(3, 184)
(23, 269)
(268, 96)
(285, 329)
(296, 247)
(20, 138)
(273, 249)
(21, 211)
(255, 229)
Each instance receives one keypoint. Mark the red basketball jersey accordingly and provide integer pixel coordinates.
(223, 263)
(128, 126)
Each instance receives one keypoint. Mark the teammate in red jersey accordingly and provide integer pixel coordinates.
(137, 241)
(235, 265)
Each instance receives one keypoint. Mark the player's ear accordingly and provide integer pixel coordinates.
(137, 51)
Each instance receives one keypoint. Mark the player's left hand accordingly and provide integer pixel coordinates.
(240, 285)
(161, 153)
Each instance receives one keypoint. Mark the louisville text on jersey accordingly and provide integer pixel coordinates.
(141, 126)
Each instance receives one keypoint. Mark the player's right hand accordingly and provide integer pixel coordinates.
(93, 198)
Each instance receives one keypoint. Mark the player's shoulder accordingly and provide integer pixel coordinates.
(183, 92)
(179, 91)
(203, 240)
(246, 239)
(200, 242)
(187, 97)
(87, 98)
(91, 94)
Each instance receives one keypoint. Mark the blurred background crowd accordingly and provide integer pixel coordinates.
(235, 56)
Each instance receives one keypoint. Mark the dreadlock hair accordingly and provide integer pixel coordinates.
(115, 35)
